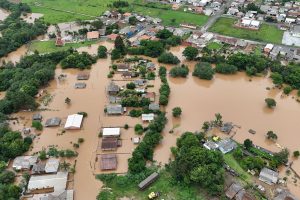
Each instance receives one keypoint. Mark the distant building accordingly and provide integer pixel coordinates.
(226, 145)
(24, 162)
(268, 176)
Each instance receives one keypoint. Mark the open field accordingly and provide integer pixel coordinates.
(169, 189)
(49, 46)
(88, 7)
(214, 46)
(171, 17)
(96, 8)
(266, 33)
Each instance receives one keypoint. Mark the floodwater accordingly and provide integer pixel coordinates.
(15, 56)
(240, 101)
(3, 14)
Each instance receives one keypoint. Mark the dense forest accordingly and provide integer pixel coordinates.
(15, 32)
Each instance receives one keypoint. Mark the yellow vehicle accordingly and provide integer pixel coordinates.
(153, 195)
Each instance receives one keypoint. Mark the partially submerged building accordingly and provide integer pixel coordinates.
(52, 165)
(109, 143)
(24, 162)
(150, 179)
(226, 145)
(55, 121)
(148, 117)
(80, 85)
(114, 109)
(111, 132)
(112, 88)
(74, 121)
(226, 127)
(83, 76)
(108, 162)
(268, 176)
(37, 117)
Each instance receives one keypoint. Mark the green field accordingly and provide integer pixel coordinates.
(214, 46)
(266, 33)
(97, 7)
(49, 46)
(169, 189)
(89, 7)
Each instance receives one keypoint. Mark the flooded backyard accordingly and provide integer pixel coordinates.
(238, 99)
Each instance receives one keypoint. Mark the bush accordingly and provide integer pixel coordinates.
(37, 125)
(179, 71)
(271, 103)
(138, 128)
(190, 53)
(176, 111)
(83, 113)
(69, 153)
(135, 113)
(43, 155)
(287, 90)
(126, 126)
(116, 54)
(203, 71)
(168, 58)
(80, 140)
(226, 69)
(130, 86)
(296, 154)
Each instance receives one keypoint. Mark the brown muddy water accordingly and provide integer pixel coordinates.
(31, 17)
(238, 100)
(15, 56)
(3, 14)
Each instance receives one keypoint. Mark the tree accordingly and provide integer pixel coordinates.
(138, 129)
(190, 53)
(218, 119)
(271, 135)
(133, 20)
(248, 143)
(130, 86)
(37, 125)
(164, 34)
(204, 71)
(281, 157)
(115, 54)
(224, 68)
(102, 52)
(179, 71)
(168, 58)
(271, 103)
(163, 100)
(152, 48)
(67, 100)
(120, 46)
(97, 24)
(176, 111)
(277, 78)
(296, 154)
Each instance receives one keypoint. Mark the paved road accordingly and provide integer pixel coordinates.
(217, 15)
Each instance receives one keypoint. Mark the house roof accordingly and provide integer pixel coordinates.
(92, 35)
(24, 162)
(55, 121)
(56, 181)
(226, 145)
(112, 87)
(112, 36)
(211, 145)
(153, 106)
(108, 161)
(148, 117)
(285, 195)
(268, 176)
(114, 109)
(80, 85)
(37, 116)
(52, 165)
(83, 76)
(74, 121)
(111, 132)
(64, 195)
(38, 168)
(233, 190)
(109, 143)
(148, 180)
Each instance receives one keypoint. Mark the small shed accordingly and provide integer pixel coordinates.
(111, 132)
(74, 121)
(24, 162)
(83, 76)
(109, 143)
(150, 179)
(37, 117)
(55, 121)
(108, 162)
(268, 176)
(80, 85)
(116, 109)
(147, 117)
(52, 165)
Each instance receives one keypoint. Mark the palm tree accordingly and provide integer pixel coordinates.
(65, 166)
(218, 121)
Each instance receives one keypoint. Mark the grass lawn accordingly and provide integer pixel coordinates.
(171, 17)
(89, 7)
(266, 33)
(121, 188)
(214, 46)
(49, 46)
(229, 160)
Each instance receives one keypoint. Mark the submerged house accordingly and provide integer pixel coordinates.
(55, 121)
(116, 109)
(112, 88)
(37, 117)
(109, 144)
(52, 165)
(74, 121)
(108, 162)
(24, 162)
